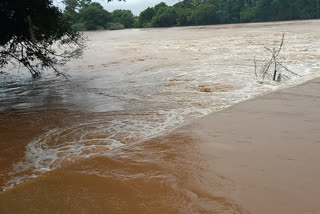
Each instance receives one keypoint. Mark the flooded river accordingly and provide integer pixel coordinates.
(97, 140)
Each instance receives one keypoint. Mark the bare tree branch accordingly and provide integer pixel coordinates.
(274, 68)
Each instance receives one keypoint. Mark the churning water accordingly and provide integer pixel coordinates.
(133, 85)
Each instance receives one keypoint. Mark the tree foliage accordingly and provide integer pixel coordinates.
(146, 16)
(165, 17)
(203, 12)
(38, 35)
(94, 17)
(196, 12)
(35, 33)
(87, 15)
(124, 17)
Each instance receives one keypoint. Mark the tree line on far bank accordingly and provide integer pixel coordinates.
(88, 15)
(32, 29)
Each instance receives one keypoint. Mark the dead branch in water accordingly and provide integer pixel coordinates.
(274, 68)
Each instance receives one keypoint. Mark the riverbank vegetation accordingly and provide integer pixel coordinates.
(33, 29)
(87, 15)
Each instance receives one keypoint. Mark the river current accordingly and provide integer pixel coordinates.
(132, 86)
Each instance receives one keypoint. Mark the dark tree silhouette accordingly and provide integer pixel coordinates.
(35, 33)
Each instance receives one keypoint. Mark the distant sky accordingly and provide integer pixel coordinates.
(136, 6)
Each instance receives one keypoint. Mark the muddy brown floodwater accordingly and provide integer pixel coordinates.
(113, 137)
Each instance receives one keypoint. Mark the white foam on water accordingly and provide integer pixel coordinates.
(160, 89)
(60, 147)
